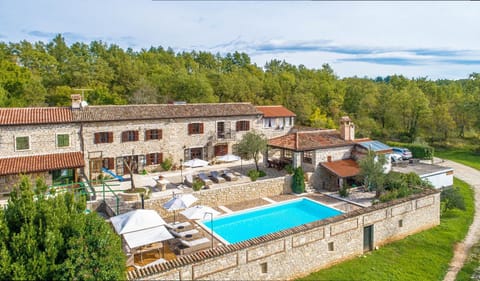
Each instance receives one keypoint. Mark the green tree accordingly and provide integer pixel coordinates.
(52, 239)
(372, 172)
(298, 181)
(251, 146)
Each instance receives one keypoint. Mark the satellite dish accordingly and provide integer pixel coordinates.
(84, 104)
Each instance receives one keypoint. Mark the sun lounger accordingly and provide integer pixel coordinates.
(216, 177)
(229, 176)
(188, 181)
(184, 234)
(159, 261)
(177, 226)
(204, 178)
(187, 247)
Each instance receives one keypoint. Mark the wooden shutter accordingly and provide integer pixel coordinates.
(190, 129)
(160, 158)
(96, 138)
(247, 127)
(200, 125)
(147, 135)
(160, 134)
(110, 137)
(237, 126)
(149, 159)
(135, 135)
(111, 164)
(124, 136)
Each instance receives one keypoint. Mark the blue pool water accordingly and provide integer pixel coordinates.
(254, 223)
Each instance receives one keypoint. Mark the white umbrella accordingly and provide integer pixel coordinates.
(136, 220)
(195, 163)
(228, 158)
(198, 212)
(179, 202)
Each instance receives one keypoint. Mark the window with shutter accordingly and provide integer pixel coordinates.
(103, 137)
(195, 128)
(129, 136)
(154, 134)
(243, 125)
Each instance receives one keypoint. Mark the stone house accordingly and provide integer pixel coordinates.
(63, 143)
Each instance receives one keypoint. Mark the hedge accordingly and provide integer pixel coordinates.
(420, 151)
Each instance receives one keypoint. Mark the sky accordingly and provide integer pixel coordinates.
(436, 40)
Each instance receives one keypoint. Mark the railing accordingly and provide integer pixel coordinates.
(226, 135)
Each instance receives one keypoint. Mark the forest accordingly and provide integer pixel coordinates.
(392, 107)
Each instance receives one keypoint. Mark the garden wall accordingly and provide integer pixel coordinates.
(307, 248)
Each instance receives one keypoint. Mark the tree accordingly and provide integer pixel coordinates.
(372, 172)
(298, 181)
(452, 199)
(52, 239)
(251, 146)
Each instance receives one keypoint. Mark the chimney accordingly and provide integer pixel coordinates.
(347, 128)
(76, 101)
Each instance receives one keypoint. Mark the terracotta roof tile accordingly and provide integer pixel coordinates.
(35, 115)
(41, 163)
(275, 111)
(309, 140)
(163, 111)
(343, 168)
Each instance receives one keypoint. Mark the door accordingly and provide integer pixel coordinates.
(196, 153)
(368, 238)
(221, 149)
(220, 130)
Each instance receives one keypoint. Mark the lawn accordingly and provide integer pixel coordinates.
(465, 157)
(423, 256)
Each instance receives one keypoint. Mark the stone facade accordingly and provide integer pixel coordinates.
(227, 195)
(299, 251)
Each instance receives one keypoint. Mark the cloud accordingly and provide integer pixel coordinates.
(42, 34)
(383, 60)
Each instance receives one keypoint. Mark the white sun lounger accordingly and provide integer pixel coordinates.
(159, 261)
(183, 234)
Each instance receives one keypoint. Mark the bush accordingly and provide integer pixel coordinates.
(298, 181)
(253, 174)
(452, 199)
(261, 174)
(419, 150)
(344, 191)
(289, 169)
(197, 185)
(167, 164)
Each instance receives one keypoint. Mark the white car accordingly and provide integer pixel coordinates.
(404, 152)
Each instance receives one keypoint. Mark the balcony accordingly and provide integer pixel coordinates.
(227, 135)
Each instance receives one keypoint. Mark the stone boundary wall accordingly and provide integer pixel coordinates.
(304, 249)
(225, 195)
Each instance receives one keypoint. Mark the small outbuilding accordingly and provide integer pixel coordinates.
(438, 176)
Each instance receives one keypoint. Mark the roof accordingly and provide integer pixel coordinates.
(163, 111)
(147, 236)
(309, 140)
(35, 115)
(275, 111)
(375, 146)
(343, 168)
(41, 163)
(421, 169)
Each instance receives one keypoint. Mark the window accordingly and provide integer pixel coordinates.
(264, 267)
(154, 158)
(243, 125)
(63, 140)
(195, 128)
(308, 157)
(103, 137)
(290, 121)
(129, 136)
(22, 143)
(330, 246)
(108, 163)
(288, 154)
(267, 122)
(400, 223)
(154, 134)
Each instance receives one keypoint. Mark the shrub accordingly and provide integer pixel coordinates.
(452, 199)
(289, 169)
(197, 185)
(344, 191)
(419, 150)
(261, 173)
(253, 174)
(298, 181)
(167, 164)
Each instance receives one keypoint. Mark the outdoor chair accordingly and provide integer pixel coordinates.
(178, 226)
(216, 177)
(184, 234)
(188, 181)
(188, 247)
(204, 178)
(229, 176)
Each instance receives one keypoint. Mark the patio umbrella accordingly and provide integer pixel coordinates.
(228, 158)
(195, 163)
(179, 202)
(198, 212)
(136, 220)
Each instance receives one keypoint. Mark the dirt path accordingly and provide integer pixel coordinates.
(472, 177)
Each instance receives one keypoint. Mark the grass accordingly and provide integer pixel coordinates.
(422, 256)
(465, 157)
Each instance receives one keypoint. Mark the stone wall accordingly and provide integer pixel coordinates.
(228, 194)
(304, 249)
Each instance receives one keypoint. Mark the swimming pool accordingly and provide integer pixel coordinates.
(261, 221)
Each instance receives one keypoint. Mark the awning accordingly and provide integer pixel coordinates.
(147, 236)
(343, 168)
(136, 220)
(41, 163)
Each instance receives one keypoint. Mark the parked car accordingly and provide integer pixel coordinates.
(396, 157)
(404, 152)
